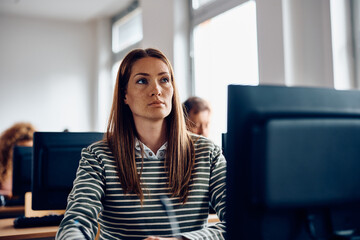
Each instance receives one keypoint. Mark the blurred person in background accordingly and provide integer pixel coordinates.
(198, 114)
(19, 134)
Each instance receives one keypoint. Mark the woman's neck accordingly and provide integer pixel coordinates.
(152, 134)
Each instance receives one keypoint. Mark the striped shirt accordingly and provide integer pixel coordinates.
(97, 197)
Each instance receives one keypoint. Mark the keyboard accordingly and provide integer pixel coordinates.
(49, 220)
(14, 202)
(11, 202)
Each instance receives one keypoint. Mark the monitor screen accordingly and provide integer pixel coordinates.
(56, 159)
(22, 162)
(293, 158)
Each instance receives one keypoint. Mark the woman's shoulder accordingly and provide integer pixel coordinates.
(99, 148)
(206, 151)
(102, 144)
(199, 140)
(204, 144)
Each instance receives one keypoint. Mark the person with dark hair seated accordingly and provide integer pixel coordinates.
(19, 134)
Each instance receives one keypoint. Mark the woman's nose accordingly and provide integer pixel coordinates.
(156, 90)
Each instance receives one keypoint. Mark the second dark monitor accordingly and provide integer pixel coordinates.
(56, 159)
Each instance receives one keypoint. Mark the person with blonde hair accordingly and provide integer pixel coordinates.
(147, 156)
(19, 134)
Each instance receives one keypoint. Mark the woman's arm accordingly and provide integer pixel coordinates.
(217, 187)
(84, 200)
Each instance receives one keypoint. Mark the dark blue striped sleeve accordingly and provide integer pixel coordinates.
(217, 188)
(84, 200)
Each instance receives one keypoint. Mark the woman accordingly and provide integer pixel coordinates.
(20, 134)
(147, 153)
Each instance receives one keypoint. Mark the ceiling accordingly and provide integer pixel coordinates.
(72, 10)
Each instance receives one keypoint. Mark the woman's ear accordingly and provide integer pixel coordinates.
(123, 93)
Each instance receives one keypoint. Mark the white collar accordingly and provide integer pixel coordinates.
(160, 154)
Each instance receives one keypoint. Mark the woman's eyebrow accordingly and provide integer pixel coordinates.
(142, 74)
(163, 73)
(146, 74)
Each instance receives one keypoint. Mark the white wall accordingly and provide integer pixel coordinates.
(356, 29)
(270, 41)
(295, 44)
(158, 26)
(103, 88)
(46, 73)
(308, 43)
(166, 27)
(51, 71)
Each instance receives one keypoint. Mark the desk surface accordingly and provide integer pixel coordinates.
(12, 209)
(11, 212)
(7, 231)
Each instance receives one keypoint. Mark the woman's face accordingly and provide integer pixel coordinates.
(149, 91)
(201, 122)
(25, 143)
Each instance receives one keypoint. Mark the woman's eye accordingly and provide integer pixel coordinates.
(141, 81)
(165, 79)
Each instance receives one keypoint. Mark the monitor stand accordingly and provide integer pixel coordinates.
(37, 213)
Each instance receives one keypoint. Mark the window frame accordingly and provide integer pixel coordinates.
(118, 56)
(202, 14)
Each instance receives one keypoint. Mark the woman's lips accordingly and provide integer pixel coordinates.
(156, 103)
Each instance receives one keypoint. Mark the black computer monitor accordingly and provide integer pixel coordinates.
(223, 143)
(56, 159)
(293, 158)
(21, 178)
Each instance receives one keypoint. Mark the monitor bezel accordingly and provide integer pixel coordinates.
(18, 184)
(41, 196)
(248, 105)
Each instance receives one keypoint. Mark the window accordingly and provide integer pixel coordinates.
(355, 13)
(196, 4)
(342, 44)
(224, 52)
(127, 31)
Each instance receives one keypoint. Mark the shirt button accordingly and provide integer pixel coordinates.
(150, 154)
(161, 154)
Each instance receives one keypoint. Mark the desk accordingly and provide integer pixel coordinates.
(11, 211)
(7, 231)
(213, 218)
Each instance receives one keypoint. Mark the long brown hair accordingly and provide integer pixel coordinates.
(18, 132)
(121, 133)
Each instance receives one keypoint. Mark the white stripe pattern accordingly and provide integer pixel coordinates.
(97, 196)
